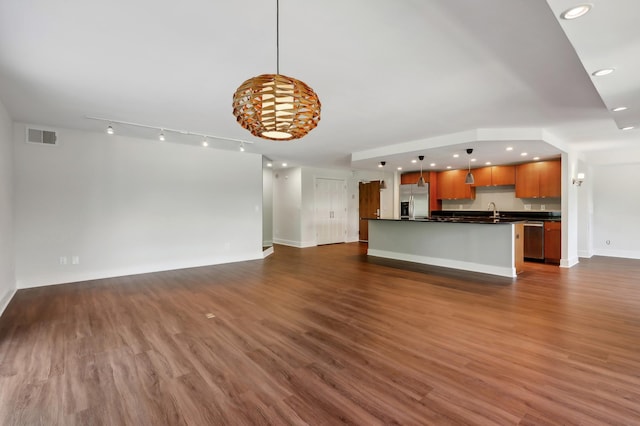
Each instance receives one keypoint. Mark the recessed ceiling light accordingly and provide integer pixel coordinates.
(456, 155)
(488, 163)
(603, 72)
(576, 12)
(432, 164)
(524, 154)
(284, 164)
(269, 165)
(448, 167)
(414, 161)
(509, 148)
(628, 128)
(399, 168)
(536, 158)
(619, 109)
(473, 160)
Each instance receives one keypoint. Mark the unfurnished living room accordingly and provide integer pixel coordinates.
(316, 213)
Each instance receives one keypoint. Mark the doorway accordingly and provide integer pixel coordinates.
(331, 211)
(369, 202)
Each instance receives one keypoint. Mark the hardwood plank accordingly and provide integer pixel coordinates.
(326, 335)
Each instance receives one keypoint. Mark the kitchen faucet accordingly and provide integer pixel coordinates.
(495, 210)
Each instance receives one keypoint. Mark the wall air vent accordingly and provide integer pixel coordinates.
(45, 137)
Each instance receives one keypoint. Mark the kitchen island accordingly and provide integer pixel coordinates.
(483, 245)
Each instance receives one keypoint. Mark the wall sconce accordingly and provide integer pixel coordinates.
(577, 181)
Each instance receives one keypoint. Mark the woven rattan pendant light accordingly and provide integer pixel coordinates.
(274, 106)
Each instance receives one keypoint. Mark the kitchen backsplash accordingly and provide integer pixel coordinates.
(505, 199)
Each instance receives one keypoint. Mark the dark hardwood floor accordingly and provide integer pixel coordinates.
(326, 335)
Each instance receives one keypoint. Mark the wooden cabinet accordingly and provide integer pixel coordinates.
(482, 176)
(451, 186)
(552, 242)
(411, 178)
(538, 180)
(494, 176)
(503, 175)
(550, 180)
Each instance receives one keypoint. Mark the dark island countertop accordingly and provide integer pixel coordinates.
(459, 219)
(503, 215)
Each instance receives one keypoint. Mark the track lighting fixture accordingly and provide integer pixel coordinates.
(421, 181)
(205, 137)
(241, 146)
(469, 180)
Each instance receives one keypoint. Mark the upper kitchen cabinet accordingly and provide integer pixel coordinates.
(538, 180)
(451, 186)
(494, 176)
(411, 178)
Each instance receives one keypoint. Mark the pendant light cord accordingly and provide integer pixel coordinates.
(277, 36)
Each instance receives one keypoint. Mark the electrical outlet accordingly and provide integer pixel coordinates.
(63, 260)
(527, 206)
(75, 260)
(543, 207)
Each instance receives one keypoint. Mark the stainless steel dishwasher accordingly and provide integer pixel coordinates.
(534, 240)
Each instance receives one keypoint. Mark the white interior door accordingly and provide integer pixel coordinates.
(331, 211)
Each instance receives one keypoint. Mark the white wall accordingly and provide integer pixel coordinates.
(287, 201)
(267, 207)
(126, 205)
(585, 211)
(7, 271)
(294, 202)
(616, 207)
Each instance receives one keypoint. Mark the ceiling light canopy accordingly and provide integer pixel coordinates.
(274, 106)
(421, 181)
(576, 12)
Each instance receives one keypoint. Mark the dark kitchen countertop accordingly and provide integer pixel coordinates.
(459, 219)
(506, 215)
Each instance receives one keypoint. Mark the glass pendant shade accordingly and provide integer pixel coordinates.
(276, 107)
(421, 181)
(469, 180)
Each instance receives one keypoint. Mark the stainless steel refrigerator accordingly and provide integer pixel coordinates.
(414, 201)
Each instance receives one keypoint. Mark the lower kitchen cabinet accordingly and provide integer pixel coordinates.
(552, 242)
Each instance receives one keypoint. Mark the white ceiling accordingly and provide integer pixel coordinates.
(387, 73)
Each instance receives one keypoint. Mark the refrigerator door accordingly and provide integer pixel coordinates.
(418, 198)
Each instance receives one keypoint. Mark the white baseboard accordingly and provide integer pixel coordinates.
(585, 253)
(267, 252)
(627, 254)
(568, 263)
(447, 263)
(4, 302)
(298, 244)
(46, 280)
